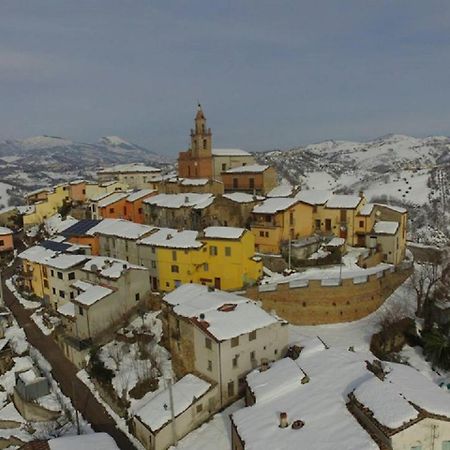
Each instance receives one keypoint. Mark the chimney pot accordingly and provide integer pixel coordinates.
(283, 420)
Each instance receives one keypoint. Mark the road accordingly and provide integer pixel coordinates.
(64, 372)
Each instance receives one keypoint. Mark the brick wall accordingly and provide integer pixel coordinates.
(317, 304)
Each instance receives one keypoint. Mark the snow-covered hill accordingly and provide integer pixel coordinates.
(400, 167)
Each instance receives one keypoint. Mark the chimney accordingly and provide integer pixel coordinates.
(283, 420)
(186, 199)
(361, 194)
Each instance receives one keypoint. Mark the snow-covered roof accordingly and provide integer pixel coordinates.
(385, 227)
(129, 168)
(283, 190)
(37, 254)
(5, 231)
(188, 199)
(319, 403)
(333, 374)
(274, 205)
(10, 413)
(343, 201)
(156, 412)
(367, 209)
(221, 314)
(64, 261)
(172, 238)
(109, 267)
(38, 191)
(113, 198)
(68, 309)
(90, 293)
(97, 441)
(314, 197)
(223, 232)
(194, 181)
(283, 376)
(242, 197)
(335, 242)
(139, 194)
(229, 152)
(121, 228)
(251, 168)
(395, 208)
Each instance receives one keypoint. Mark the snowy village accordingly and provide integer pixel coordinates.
(211, 297)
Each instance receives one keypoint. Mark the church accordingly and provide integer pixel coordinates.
(203, 161)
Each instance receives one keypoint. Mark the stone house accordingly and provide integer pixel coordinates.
(253, 179)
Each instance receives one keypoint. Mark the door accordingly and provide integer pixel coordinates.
(217, 283)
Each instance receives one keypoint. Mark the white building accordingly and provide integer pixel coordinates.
(221, 336)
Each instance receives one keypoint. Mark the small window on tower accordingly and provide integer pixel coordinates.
(204, 144)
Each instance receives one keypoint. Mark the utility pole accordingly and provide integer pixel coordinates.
(172, 413)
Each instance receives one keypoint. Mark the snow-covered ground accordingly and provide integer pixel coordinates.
(4, 196)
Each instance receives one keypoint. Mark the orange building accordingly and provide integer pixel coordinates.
(113, 206)
(133, 205)
(197, 162)
(77, 191)
(253, 179)
(6, 240)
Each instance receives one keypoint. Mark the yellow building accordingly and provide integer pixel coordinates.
(276, 220)
(222, 257)
(35, 273)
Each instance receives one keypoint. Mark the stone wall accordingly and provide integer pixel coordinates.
(314, 302)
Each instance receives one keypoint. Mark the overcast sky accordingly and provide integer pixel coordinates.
(270, 74)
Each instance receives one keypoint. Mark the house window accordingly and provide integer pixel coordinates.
(235, 341)
(80, 310)
(235, 361)
(227, 251)
(252, 335)
(72, 276)
(266, 234)
(62, 294)
(231, 389)
(72, 295)
(174, 269)
(328, 224)
(60, 275)
(209, 365)
(252, 356)
(153, 264)
(235, 183)
(153, 249)
(2, 242)
(208, 343)
(52, 273)
(224, 167)
(111, 210)
(137, 297)
(54, 291)
(174, 255)
(199, 408)
(46, 284)
(361, 223)
(251, 183)
(206, 267)
(317, 224)
(213, 250)
(261, 233)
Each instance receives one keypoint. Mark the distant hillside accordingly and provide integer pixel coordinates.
(400, 169)
(46, 160)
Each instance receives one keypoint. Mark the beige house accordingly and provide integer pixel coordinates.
(178, 185)
(221, 336)
(118, 237)
(228, 158)
(188, 210)
(136, 176)
(386, 238)
(194, 400)
(105, 292)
